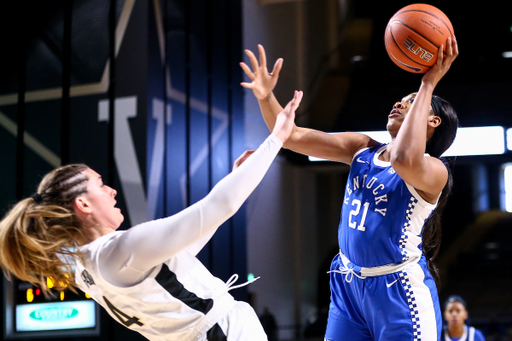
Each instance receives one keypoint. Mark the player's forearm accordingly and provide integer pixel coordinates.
(302, 140)
(232, 191)
(149, 244)
(411, 140)
(270, 108)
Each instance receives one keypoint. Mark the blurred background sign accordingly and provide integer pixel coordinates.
(29, 314)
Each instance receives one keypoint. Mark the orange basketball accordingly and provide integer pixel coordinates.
(414, 34)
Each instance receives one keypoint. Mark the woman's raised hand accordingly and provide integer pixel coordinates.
(263, 82)
(282, 129)
(441, 67)
(285, 119)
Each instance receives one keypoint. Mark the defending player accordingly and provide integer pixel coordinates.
(381, 285)
(147, 277)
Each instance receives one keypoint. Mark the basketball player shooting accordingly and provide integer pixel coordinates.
(382, 279)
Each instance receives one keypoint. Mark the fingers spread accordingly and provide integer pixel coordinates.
(263, 57)
(247, 70)
(277, 67)
(253, 60)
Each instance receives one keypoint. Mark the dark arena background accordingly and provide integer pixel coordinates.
(147, 93)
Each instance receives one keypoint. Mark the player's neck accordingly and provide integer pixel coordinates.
(384, 155)
(456, 330)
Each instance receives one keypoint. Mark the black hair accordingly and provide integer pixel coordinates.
(455, 298)
(437, 144)
(445, 133)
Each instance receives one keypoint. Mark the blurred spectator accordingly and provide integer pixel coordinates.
(269, 324)
(456, 315)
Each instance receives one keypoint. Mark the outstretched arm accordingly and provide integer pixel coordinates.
(131, 256)
(337, 147)
(427, 174)
(198, 246)
(282, 131)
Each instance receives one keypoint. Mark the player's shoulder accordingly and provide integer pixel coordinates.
(369, 148)
(479, 336)
(361, 142)
(108, 241)
(343, 146)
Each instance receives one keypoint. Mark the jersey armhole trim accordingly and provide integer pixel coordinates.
(358, 152)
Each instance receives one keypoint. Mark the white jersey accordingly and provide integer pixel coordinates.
(148, 277)
(179, 300)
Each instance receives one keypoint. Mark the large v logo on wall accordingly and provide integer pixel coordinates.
(47, 98)
(146, 93)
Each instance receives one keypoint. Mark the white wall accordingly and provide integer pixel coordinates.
(281, 214)
(282, 245)
(275, 27)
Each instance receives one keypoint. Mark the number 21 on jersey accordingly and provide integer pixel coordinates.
(355, 213)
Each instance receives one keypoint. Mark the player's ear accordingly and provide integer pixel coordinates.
(434, 121)
(82, 205)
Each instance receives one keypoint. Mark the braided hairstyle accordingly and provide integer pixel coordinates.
(40, 235)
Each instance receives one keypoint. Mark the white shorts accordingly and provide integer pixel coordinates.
(242, 323)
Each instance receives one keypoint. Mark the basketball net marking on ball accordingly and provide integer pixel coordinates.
(407, 66)
(430, 22)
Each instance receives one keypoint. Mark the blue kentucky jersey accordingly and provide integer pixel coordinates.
(382, 217)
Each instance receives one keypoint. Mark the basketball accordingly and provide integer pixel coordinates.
(413, 36)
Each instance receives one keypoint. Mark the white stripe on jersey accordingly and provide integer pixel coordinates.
(420, 303)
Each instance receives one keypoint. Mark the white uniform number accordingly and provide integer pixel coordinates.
(354, 214)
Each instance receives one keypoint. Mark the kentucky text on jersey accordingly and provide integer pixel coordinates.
(372, 185)
(382, 217)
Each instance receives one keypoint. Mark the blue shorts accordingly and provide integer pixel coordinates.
(400, 306)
